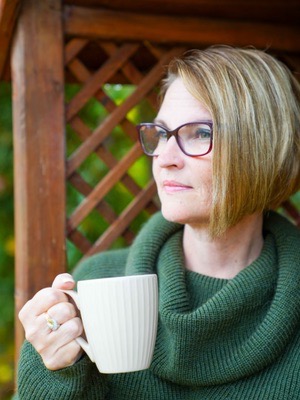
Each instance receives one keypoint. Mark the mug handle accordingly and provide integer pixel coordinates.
(83, 343)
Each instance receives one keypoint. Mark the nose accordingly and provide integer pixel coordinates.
(171, 155)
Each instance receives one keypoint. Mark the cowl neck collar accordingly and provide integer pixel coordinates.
(243, 325)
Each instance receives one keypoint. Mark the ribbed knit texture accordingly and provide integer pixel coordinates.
(217, 339)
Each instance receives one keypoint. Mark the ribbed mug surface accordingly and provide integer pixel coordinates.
(120, 320)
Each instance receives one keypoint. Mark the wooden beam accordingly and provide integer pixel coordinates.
(104, 24)
(258, 10)
(9, 10)
(39, 152)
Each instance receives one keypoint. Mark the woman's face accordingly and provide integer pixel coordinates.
(184, 183)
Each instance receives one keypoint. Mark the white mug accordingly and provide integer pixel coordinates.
(119, 316)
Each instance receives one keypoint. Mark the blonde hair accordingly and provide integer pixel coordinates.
(254, 101)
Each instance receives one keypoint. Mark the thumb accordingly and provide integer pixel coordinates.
(63, 281)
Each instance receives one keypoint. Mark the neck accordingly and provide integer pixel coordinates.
(225, 256)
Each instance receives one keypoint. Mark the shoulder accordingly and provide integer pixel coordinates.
(285, 234)
(102, 265)
(280, 225)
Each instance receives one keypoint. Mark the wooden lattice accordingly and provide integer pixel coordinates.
(118, 66)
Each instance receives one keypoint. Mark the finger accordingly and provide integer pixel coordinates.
(46, 298)
(55, 342)
(64, 357)
(45, 340)
(37, 332)
(40, 303)
(67, 332)
(63, 281)
(62, 312)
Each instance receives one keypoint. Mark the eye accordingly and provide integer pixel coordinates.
(203, 132)
(160, 133)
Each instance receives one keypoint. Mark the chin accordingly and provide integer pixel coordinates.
(175, 216)
(190, 217)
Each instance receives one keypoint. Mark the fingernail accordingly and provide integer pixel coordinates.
(67, 280)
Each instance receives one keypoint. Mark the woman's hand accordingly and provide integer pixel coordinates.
(57, 348)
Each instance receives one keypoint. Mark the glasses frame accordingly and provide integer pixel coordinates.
(174, 133)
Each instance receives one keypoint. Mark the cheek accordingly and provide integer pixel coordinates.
(203, 183)
(202, 171)
(154, 169)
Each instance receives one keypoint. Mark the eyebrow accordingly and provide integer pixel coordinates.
(160, 122)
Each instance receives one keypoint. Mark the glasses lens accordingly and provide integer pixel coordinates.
(195, 139)
(152, 138)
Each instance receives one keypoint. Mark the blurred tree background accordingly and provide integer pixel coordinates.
(93, 169)
(6, 243)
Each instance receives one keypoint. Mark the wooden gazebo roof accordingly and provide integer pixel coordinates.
(44, 44)
(263, 24)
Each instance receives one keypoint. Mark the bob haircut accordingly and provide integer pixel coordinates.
(255, 104)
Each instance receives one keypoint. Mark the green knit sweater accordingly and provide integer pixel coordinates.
(217, 339)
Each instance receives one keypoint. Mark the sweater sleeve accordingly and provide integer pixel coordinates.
(79, 381)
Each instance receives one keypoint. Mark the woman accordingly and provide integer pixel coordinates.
(226, 151)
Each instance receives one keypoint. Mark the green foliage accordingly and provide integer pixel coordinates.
(93, 169)
(6, 243)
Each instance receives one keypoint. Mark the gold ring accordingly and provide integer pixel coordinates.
(52, 323)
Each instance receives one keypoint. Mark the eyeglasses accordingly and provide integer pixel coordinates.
(194, 138)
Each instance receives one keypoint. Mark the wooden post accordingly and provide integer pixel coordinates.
(39, 149)
(8, 16)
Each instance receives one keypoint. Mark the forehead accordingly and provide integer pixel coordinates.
(180, 106)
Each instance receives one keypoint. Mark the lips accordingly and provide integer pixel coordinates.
(174, 186)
